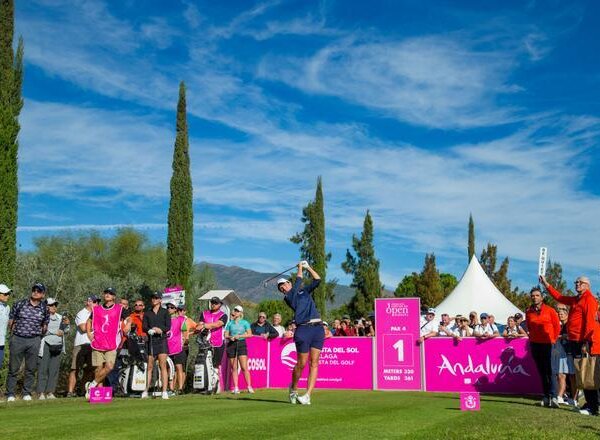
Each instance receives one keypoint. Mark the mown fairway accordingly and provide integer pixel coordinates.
(333, 415)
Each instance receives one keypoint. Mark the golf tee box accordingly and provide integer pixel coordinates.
(101, 395)
(469, 401)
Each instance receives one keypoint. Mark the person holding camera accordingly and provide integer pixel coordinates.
(310, 334)
(236, 332)
(157, 323)
(51, 349)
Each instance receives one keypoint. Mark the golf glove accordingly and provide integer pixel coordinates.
(151, 332)
(304, 264)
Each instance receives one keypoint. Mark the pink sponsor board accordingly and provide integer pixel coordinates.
(101, 395)
(398, 360)
(496, 365)
(258, 365)
(345, 363)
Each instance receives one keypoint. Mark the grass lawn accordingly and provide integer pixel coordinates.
(266, 414)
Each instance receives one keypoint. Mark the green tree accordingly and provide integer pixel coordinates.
(471, 246)
(429, 285)
(501, 280)
(408, 286)
(554, 275)
(202, 280)
(312, 247)
(488, 260)
(180, 237)
(364, 268)
(448, 283)
(11, 103)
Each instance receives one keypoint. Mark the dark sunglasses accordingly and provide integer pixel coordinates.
(38, 291)
(139, 305)
(171, 307)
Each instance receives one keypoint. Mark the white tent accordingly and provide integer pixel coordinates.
(475, 291)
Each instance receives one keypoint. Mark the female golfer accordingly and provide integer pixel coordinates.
(236, 332)
(309, 335)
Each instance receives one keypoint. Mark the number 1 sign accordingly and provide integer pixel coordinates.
(398, 363)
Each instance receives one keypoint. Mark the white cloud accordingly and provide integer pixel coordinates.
(436, 81)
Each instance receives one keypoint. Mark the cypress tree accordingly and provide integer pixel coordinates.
(11, 102)
(471, 247)
(180, 237)
(312, 246)
(364, 268)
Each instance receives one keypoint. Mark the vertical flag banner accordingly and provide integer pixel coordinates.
(398, 360)
(543, 261)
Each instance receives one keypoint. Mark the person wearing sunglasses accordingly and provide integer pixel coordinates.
(175, 338)
(214, 320)
(51, 349)
(236, 332)
(581, 325)
(5, 292)
(28, 322)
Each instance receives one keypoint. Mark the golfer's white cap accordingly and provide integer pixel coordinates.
(4, 289)
(282, 280)
(51, 301)
(239, 309)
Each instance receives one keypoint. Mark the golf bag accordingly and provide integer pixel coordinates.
(132, 375)
(206, 377)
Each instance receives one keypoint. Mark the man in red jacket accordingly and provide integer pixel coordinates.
(582, 321)
(544, 328)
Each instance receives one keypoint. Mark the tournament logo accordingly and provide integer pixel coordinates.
(286, 355)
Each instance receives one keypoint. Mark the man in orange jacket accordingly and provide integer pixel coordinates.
(544, 328)
(581, 324)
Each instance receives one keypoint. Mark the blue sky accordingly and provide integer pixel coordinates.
(422, 112)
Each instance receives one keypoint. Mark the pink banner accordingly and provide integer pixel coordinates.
(496, 365)
(345, 363)
(398, 356)
(258, 365)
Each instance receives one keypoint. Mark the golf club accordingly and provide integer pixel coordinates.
(265, 282)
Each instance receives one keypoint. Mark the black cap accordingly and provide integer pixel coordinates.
(110, 290)
(216, 300)
(93, 298)
(157, 295)
(38, 286)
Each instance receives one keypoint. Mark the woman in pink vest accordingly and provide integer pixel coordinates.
(175, 344)
(104, 332)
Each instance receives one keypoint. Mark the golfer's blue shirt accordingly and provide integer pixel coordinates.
(301, 302)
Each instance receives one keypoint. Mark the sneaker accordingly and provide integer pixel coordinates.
(236, 391)
(561, 400)
(304, 400)
(89, 385)
(69, 395)
(585, 412)
(544, 403)
(50, 396)
(554, 403)
(572, 403)
(293, 395)
(171, 393)
(145, 395)
(41, 397)
(10, 399)
(250, 390)
(27, 398)
(165, 395)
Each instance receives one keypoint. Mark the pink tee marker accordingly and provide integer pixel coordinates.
(469, 401)
(101, 395)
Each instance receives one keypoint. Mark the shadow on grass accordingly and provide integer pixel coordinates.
(246, 399)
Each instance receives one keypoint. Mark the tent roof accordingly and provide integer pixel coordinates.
(475, 291)
(227, 296)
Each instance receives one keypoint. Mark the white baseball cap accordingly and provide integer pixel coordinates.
(431, 311)
(51, 301)
(282, 280)
(239, 309)
(4, 289)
